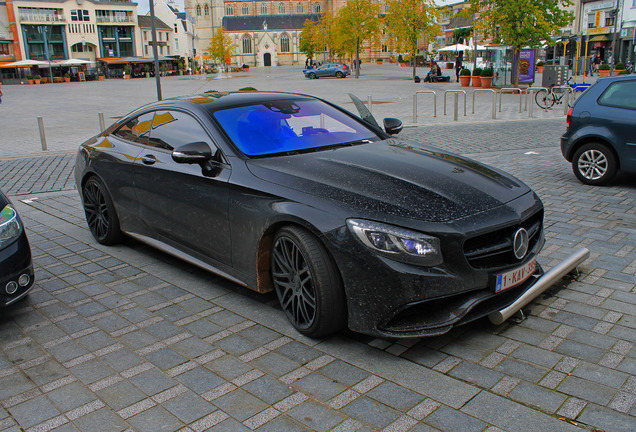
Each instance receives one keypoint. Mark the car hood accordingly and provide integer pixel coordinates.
(394, 177)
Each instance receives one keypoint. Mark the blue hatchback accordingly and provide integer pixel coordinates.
(601, 136)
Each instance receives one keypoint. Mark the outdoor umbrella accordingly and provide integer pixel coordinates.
(456, 47)
(26, 63)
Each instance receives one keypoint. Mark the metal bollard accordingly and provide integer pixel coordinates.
(455, 91)
(530, 91)
(415, 103)
(513, 90)
(566, 96)
(42, 136)
(456, 97)
(494, 101)
(102, 125)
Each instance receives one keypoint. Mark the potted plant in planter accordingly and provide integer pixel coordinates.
(246, 67)
(127, 70)
(464, 77)
(101, 76)
(147, 70)
(619, 67)
(67, 77)
(379, 61)
(486, 78)
(30, 78)
(604, 70)
(37, 79)
(540, 66)
(477, 77)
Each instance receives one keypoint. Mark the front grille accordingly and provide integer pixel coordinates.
(493, 250)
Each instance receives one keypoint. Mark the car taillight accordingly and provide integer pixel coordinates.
(568, 119)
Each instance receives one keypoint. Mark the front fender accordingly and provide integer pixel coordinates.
(587, 134)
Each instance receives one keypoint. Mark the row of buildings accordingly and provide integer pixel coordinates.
(265, 32)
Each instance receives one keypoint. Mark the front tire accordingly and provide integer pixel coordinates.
(544, 99)
(307, 283)
(312, 75)
(101, 216)
(594, 164)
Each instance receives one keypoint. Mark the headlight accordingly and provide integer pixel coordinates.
(10, 226)
(398, 243)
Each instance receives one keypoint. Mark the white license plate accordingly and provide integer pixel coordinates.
(515, 277)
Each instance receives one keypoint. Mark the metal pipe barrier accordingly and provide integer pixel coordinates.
(494, 101)
(566, 97)
(42, 136)
(102, 125)
(455, 109)
(543, 283)
(509, 90)
(415, 103)
(529, 91)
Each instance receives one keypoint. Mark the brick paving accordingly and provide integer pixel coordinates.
(127, 338)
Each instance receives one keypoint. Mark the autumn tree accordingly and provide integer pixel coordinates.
(410, 20)
(221, 46)
(521, 23)
(308, 39)
(358, 21)
(326, 31)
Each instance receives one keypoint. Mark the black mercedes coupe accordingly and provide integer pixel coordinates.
(351, 226)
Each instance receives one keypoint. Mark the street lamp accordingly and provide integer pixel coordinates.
(43, 30)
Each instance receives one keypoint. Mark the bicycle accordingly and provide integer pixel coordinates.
(545, 99)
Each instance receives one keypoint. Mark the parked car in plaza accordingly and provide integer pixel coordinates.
(601, 136)
(16, 265)
(348, 224)
(337, 70)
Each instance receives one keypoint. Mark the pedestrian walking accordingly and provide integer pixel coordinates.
(458, 65)
(597, 63)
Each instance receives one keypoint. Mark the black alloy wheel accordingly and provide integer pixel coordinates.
(594, 164)
(339, 74)
(100, 212)
(307, 283)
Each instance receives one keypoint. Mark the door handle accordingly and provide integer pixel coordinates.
(149, 159)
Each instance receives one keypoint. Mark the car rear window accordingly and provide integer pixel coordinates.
(289, 125)
(621, 94)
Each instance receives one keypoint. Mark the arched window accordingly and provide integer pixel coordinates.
(284, 42)
(229, 10)
(198, 10)
(299, 8)
(206, 10)
(317, 8)
(247, 45)
(245, 10)
(281, 8)
(263, 9)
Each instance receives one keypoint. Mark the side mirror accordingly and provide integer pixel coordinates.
(392, 126)
(193, 153)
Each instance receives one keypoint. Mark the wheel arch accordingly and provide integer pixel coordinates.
(593, 139)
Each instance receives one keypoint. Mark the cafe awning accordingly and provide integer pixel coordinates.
(600, 38)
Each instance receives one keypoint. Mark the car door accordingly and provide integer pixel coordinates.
(181, 204)
(324, 70)
(617, 110)
(117, 154)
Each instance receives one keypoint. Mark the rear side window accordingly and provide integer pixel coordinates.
(620, 94)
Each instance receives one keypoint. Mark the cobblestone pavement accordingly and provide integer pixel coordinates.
(127, 338)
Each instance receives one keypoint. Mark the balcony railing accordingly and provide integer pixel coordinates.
(36, 17)
(114, 19)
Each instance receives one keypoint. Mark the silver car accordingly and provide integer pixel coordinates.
(337, 70)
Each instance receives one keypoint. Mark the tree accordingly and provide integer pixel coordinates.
(410, 20)
(521, 23)
(358, 21)
(221, 46)
(308, 39)
(325, 31)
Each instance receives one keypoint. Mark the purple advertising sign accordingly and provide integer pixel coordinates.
(526, 66)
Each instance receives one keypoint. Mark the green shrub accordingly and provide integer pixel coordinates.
(620, 66)
(604, 66)
(623, 72)
(540, 63)
(465, 72)
(37, 77)
(30, 77)
(247, 89)
(487, 73)
(477, 72)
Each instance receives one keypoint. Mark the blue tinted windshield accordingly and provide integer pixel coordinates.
(285, 126)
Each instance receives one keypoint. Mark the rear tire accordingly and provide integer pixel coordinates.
(101, 216)
(307, 283)
(339, 74)
(594, 164)
(544, 99)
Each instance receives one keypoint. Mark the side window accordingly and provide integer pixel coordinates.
(620, 94)
(137, 129)
(172, 129)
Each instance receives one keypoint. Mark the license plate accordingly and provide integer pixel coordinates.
(515, 277)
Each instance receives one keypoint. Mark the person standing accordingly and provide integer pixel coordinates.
(458, 65)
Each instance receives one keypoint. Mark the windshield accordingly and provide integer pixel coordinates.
(289, 125)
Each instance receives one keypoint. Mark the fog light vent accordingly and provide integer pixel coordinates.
(24, 280)
(11, 287)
